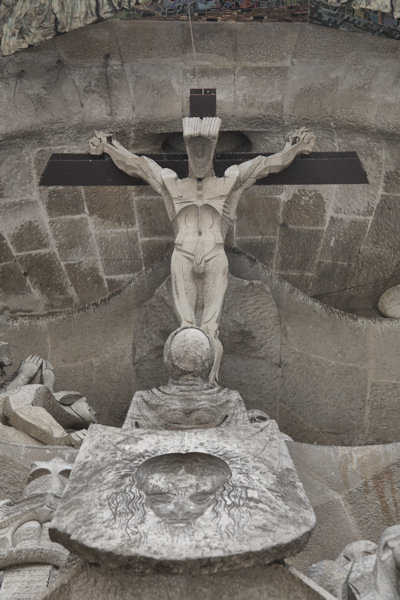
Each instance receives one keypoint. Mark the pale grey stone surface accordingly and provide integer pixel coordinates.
(273, 582)
(228, 497)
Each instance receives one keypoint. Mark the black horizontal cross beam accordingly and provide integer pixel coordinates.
(317, 168)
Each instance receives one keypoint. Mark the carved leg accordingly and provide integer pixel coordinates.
(184, 289)
(36, 421)
(215, 284)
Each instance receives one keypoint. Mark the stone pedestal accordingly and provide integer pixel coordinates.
(272, 582)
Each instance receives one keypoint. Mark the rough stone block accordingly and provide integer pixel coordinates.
(262, 248)
(360, 91)
(275, 582)
(257, 215)
(156, 40)
(6, 254)
(260, 91)
(361, 199)
(117, 283)
(12, 280)
(329, 278)
(299, 280)
(386, 351)
(152, 81)
(47, 277)
(305, 208)
(73, 238)
(311, 391)
(212, 43)
(88, 282)
(318, 331)
(65, 201)
(384, 411)
(107, 94)
(311, 89)
(89, 49)
(391, 175)
(374, 264)
(343, 238)
(153, 249)
(111, 207)
(298, 248)
(30, 235)
(152, 218)
(16, 172)
(269, 43)
(119, 251)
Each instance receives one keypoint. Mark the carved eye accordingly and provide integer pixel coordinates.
(65, 473)
(161, 498)
(200, 497)
(41, 472)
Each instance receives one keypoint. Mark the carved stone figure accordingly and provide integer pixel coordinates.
(201, 208)
(27, 556)
(364, 570)
(54, 418)
(188, 400)
(332, 574)
(378, 578)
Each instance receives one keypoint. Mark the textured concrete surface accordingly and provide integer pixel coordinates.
(64, 247)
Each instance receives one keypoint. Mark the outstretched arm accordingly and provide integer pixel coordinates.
(135, 166)
(301, 142)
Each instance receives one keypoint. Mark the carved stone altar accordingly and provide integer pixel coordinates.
(184, 501)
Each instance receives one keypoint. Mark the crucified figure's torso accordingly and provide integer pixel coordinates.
(201, 209)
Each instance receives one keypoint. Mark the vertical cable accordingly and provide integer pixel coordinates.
(193, 48)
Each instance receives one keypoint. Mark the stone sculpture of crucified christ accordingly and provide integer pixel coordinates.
(201, 208)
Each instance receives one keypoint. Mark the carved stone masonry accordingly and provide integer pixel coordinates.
(27, 556)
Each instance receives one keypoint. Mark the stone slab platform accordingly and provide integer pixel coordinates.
(191, 501)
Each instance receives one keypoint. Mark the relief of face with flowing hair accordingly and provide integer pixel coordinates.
(179, 488)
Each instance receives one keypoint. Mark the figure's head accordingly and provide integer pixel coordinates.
(386, 569)
(179, 488)
(48, 477)
(200, 137)
(77, 406)
(5, 356)
(188, 351)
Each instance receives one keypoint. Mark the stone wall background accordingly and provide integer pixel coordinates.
(67, 247)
